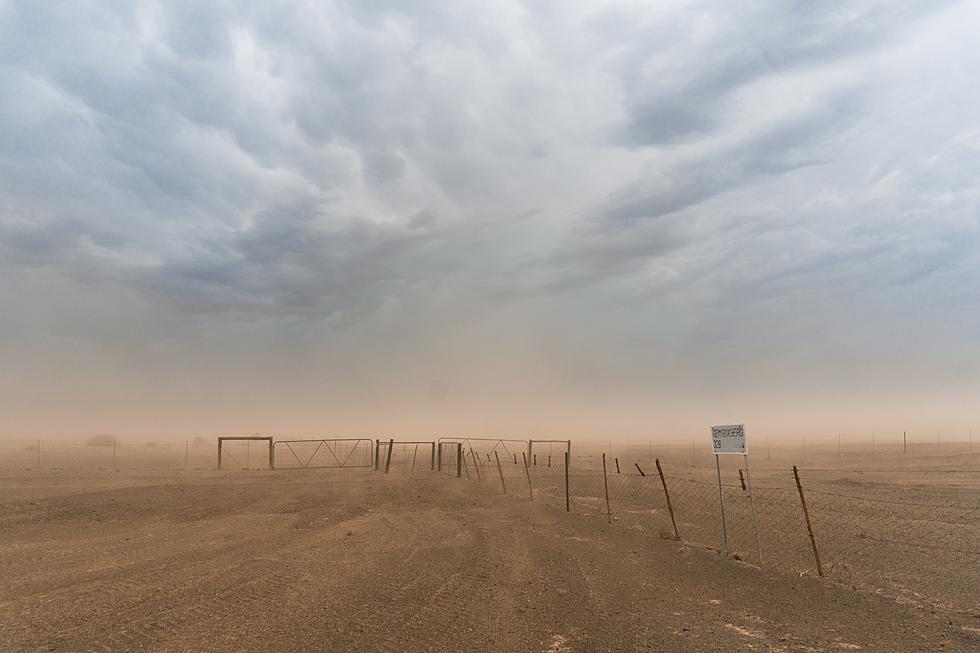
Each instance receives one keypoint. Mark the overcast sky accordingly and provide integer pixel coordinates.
(566, 218)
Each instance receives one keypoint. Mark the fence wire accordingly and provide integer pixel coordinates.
(926, 553)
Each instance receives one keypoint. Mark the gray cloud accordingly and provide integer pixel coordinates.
(771, 176)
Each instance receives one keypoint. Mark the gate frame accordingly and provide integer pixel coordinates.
(268, 438)
(340, 465)
(567, 443)
(467, 441)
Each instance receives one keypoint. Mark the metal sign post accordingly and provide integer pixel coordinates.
(730, 440)
(721, 500)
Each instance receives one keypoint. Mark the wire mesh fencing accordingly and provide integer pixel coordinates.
(107, 453)
(927, 553)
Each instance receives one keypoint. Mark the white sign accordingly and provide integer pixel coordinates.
(728, 439)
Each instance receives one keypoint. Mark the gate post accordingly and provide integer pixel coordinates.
(433, 462)
(459, 459)
(219, 453)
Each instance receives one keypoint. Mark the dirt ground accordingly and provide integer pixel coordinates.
(324, 560)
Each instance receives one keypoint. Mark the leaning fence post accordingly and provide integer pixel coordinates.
(476, 465)
(741, 479)
(638, 469)
(617, 465)
(414, 456)
(501, 471)
(605, 481)
(809, 526)
(530, 490)
(568, 501)
(391, 445)
(670, 508)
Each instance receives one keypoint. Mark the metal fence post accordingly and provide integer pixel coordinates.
(530, 490)
(806, 517)
(670, 508)
(501, 471)
(568, 501)
(476, 465)
(605, 481)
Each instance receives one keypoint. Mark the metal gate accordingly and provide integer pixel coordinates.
(324, 453)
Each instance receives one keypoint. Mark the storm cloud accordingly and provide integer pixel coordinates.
(592, 205)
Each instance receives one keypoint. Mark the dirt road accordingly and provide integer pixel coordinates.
(321, 561)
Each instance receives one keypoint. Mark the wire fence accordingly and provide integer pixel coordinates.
(926, 553)
(111, 454)
(909, 530)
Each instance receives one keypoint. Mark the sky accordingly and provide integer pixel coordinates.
(554, 218)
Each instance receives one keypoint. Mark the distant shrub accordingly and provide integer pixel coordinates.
(101, 441)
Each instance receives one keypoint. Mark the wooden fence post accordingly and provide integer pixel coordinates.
(638, 469)
(605, 481)
(391, 445)
(741, 478)
(806, 517)
(432, 463)
(670, 508)
(219, 452)
(501, 471)
(617, 466)
(568, 498)
(530, 490)
(460, 461)
(377, 453)
(414, 456)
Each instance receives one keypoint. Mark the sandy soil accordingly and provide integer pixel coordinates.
(331, 561)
